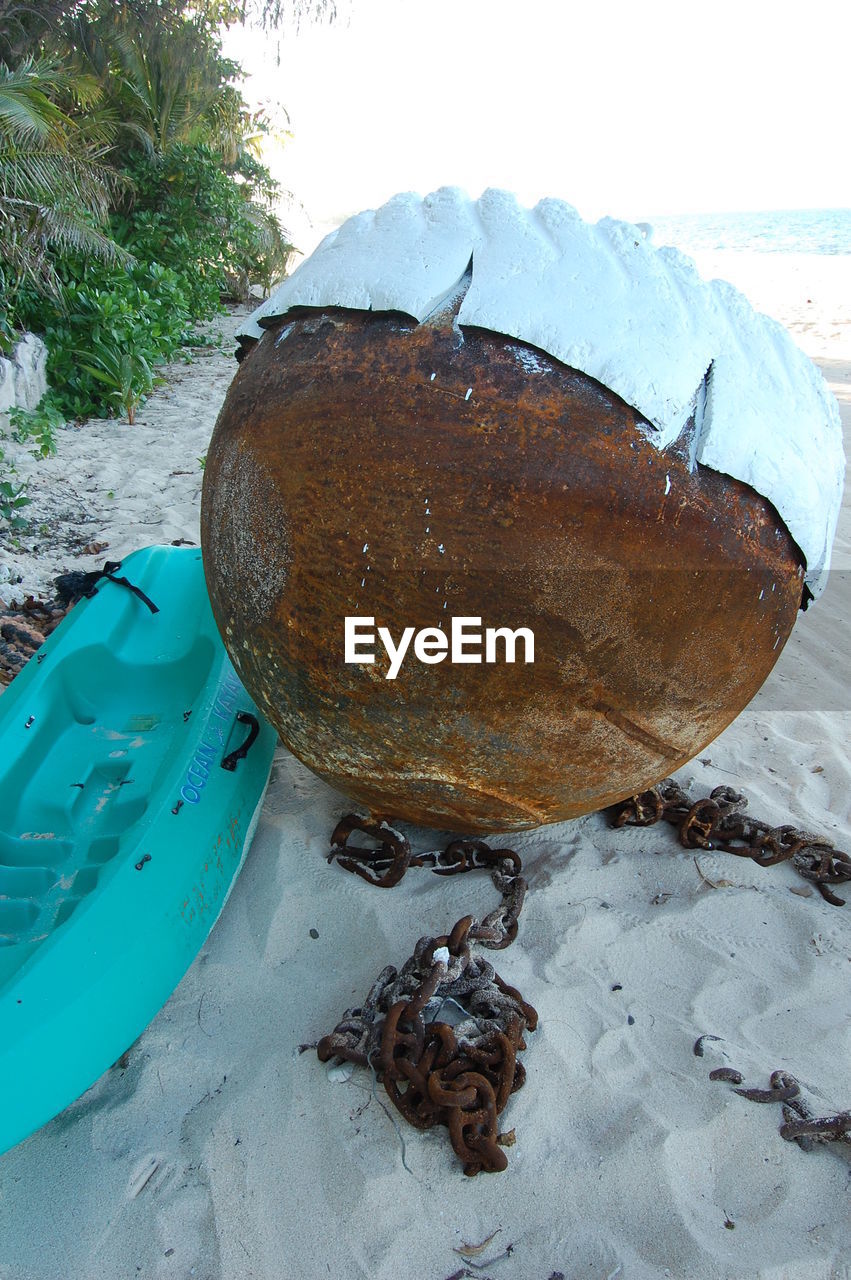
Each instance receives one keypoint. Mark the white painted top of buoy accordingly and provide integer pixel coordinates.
(603, 300)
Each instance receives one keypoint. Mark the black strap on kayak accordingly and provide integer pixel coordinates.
(74, 586)
(244, 717)
(108, 571)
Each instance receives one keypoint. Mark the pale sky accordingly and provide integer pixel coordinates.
(629, 109)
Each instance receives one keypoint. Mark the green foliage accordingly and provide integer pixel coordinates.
(161, 69)
(126, 376)
(24, 23)
(55, 187)
(12, 496)
(39, 425)
(8, 335)
(191, 216)
(107, 313)
(132, 196)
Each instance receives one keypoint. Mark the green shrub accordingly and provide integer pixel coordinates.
(193, 230)
(12, 496)
(191, 215)
(107, 313)
(125, 376)
(38, 425)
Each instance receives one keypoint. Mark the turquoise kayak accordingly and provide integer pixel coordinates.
(132, 771)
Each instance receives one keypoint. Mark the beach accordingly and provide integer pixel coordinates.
(222, 1149)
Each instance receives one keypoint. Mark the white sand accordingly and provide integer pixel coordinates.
(221, 1152)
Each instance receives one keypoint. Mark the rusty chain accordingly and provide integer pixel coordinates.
(718, 822)
(800, 1125)
(23, 630)
(443, 1033)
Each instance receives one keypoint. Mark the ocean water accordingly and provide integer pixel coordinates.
(819, 231)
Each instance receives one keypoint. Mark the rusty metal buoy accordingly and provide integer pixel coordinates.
(365, 465)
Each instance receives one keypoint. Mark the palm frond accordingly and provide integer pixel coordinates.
(56, 183)
(55, 177)
(66, 229)
(27, 113)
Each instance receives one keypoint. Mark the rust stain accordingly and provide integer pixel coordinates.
(660, 598)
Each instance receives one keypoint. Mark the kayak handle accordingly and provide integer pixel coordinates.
(244, 717)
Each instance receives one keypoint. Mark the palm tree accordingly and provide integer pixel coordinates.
(170, 88)
(161, 72)
(24, 24)
(143, 71)
(55, 183)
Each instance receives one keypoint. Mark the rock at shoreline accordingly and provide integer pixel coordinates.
(23, 376)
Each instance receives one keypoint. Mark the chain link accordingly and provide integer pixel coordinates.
(718, 822)
(800, 1125)
(444, 1032)
(385, 866)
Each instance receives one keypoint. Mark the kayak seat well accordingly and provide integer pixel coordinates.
(102, 741)
(121, 835)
